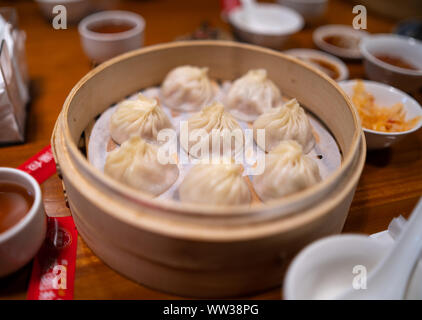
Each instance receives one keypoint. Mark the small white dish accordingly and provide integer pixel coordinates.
(20, 243)
(386, 95)
(341, 70)
(402, 47)
(354, 37)
(311, 10)
(353, 266)
(267, 24)
(100, 47)
(324, 269)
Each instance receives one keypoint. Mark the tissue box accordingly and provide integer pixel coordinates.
(14, 94)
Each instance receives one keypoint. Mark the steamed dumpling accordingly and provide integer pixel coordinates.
(142, 117)
(287, 170)
(215, 184)
(215, 122)
(188, 88)
(136, 164)
(286, 122)
(251, 95)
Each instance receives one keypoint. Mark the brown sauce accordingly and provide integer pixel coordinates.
(111, 27)
(327, 67)
(395, 61)
(15, 202)
(342, 41)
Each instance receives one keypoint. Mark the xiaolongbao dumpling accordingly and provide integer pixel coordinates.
(215, 123)
(251, 95)
(215, 184)
(287, 170)
(142, 117)
(188, 88)
(286, 122)
(136, 164)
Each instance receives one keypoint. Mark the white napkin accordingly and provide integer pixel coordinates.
(13, 101)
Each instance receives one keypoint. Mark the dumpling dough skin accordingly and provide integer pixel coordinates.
(214, 117)
(286, 122)
(287, 170)
(188, 88)
(215, 184)
(143, 117)
(251, 95)
(136, 164)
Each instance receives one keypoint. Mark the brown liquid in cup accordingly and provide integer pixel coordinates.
(327, 67)
(396, 61)
(343, 42)
(15, 202)
(111, 27)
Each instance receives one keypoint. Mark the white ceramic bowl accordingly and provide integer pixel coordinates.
(19, 244)
(270, 26)
(303, 54)
(341, 30)
(386, 95)
(403, 47)
(316, 273)
(100, 47)
(75, 9)
(311, 10)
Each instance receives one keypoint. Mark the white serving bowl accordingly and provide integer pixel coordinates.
(303, 54)
(100, 47)
(318, 274)
(75, 9)
(340, 30)
(386, 95)
(20, 243)
(269, 26)
(389, 44)
(311, 10)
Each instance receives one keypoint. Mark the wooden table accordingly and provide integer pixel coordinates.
(390, 185)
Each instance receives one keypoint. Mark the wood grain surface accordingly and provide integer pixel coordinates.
(390, 184)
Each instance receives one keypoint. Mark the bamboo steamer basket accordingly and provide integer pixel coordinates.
(192, 250)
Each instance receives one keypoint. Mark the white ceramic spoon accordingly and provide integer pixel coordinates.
(249, 8)
(325, 269)
(390, 278)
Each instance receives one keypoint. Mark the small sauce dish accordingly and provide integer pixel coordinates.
(266, 24)
(340, 40)
(20, 241)
(384, 58)
(386, 95)
(109, 33)
(330, 65)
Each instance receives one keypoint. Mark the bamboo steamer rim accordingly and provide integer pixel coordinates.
(188, 231)
(176, 207)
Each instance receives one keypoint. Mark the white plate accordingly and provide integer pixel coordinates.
(326, 145)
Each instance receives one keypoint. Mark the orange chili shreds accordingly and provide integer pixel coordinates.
(374, 117)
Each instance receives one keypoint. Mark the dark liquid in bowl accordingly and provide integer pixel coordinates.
(327, 67)
(344, 42)
(15, 202)
(395, 61)
(111, 27)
